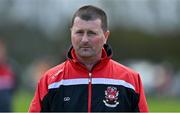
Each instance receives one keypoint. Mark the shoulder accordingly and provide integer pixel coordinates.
(53, 74)
(120, 67)
(55, 69)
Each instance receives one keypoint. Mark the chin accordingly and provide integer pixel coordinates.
(85, 56)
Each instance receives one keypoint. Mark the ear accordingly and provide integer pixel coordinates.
(106, 35)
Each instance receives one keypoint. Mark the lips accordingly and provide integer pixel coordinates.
(85, 47)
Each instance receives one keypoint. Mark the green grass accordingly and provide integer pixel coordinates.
(163, 104)
(22, 101)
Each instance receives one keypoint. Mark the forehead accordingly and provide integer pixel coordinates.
(90, 24)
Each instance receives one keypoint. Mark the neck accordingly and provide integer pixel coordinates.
(89, 62)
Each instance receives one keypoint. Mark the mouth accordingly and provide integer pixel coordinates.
(85, 47)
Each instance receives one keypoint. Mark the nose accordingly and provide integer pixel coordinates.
(85, 38)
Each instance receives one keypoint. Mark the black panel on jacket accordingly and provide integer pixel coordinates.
(74, 98)
(127, 99)
(66, 99)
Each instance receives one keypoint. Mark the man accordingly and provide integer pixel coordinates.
(89, 80)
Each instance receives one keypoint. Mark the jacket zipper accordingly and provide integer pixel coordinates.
(89, 92)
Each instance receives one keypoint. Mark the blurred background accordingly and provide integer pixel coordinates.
(35, 35)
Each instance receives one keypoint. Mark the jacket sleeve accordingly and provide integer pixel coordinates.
(41, 91)
(143, 106)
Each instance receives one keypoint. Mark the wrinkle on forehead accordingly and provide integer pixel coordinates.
(90, 24)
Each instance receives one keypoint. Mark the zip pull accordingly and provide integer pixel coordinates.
(90, 77)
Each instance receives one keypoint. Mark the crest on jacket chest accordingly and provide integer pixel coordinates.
(111, 97)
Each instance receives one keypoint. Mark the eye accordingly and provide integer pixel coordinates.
(79, 32)
(90, 33)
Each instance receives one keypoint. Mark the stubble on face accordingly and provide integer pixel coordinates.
(87, 38)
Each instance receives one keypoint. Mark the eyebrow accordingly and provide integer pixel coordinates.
(79, 29)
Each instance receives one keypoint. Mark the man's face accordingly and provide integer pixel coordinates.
(87, 37)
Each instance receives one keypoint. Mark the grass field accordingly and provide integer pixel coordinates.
(163, 104)
(22, 100)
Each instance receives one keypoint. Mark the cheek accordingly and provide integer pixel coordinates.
(74, 40)
(98, 42)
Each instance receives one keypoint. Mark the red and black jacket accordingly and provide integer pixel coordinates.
(108, 87)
